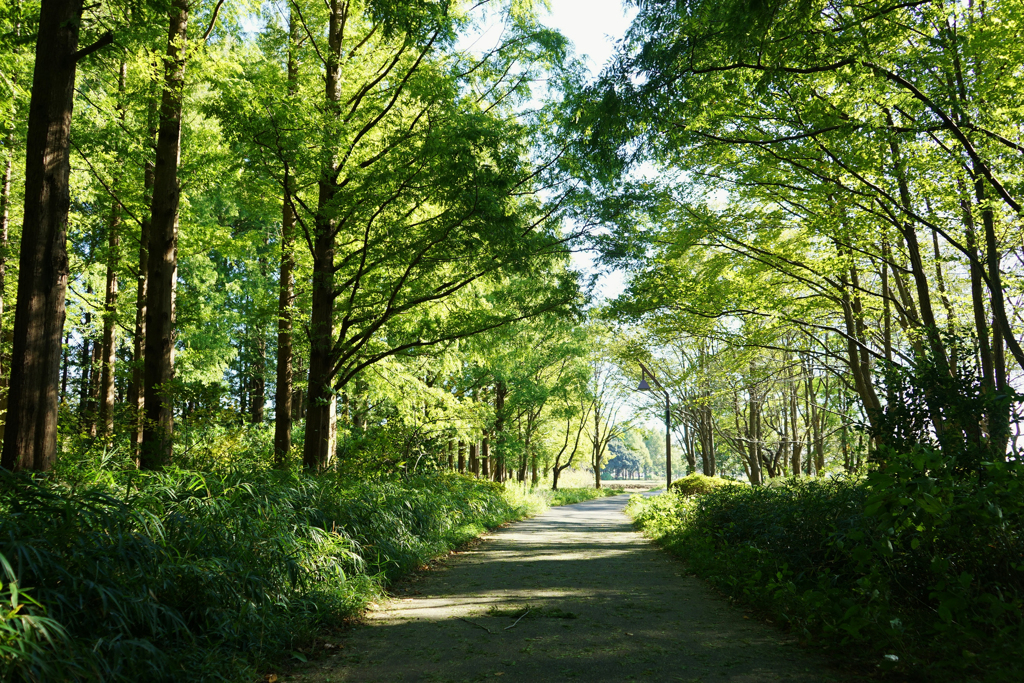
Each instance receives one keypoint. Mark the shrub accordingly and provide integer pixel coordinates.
(928, 569)
(695, 484)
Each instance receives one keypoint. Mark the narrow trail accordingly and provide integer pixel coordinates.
(572, 595)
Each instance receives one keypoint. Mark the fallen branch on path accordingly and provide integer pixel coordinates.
(520, 618)
(478, 625)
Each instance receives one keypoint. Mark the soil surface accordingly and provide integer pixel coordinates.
(572, 595)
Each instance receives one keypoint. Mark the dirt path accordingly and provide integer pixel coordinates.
(604, 605)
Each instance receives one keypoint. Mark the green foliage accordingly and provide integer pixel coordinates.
(902, 563)
(696, 484)
(576, 495)
(24, 637)
(188, 576)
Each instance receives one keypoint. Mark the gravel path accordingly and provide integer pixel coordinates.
(572, 595)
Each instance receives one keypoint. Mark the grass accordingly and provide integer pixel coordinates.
(537, 498)
(185, 576)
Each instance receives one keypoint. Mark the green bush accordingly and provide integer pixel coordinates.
(187, 576)
(695, 484)
(578, 495)
(926, 569)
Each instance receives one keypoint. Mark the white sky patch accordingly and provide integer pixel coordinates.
(718, 199)
(593, 27)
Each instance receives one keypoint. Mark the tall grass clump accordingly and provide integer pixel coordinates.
(195, 576)
(903, 570)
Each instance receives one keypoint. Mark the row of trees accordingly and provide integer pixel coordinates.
(833, 232)
(330, 205)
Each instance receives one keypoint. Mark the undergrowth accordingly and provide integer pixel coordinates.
(697, 483)
(906, 570)
(190, 576)
(568, 496)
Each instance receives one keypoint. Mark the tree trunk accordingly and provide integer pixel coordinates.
(321, 325)
(500, 392)
(65, 362)
(5, 218)
(92, 405)
(485, 457)
(794, 408)
(136, 393)
(332, 431)
(85, 373)
(754, 439)
(462, 457)
(108, 357)
(298, 395)
(286, 291)
(157, 444)
(978, 301)
(30, 440)
(999, 426)
(707, 438)
(258, 382)
(316, 448)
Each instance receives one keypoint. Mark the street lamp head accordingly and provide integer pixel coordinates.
(644, 386)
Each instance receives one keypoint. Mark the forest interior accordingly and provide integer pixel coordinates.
(297, 297)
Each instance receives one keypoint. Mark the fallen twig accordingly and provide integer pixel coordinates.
(520, 618)
(478, 625)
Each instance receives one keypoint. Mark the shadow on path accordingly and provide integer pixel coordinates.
(604, 605)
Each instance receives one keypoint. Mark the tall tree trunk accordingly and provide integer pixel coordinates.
(940, 282)
(707, 437)
(485, 457)
(5, 218)
(754, 437)
(909, 232)
(474, 461)
(462, 456)
(136, 393)
(30, 440)
(92, 405)
(999, 425)
(500, 392)
(108, 356)
(321, 324)
(258, 382)
(286, 286)
(857, 356)
(107, 393)
(157, 436)
(794, 409)
(298, 395)
(85, 374)
(978, 300)
(886, 306)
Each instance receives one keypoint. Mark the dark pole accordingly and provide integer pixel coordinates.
(668, 443)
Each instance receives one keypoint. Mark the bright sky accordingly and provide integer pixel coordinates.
(593, 26)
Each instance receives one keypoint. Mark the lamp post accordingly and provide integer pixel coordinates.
(644, 386)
